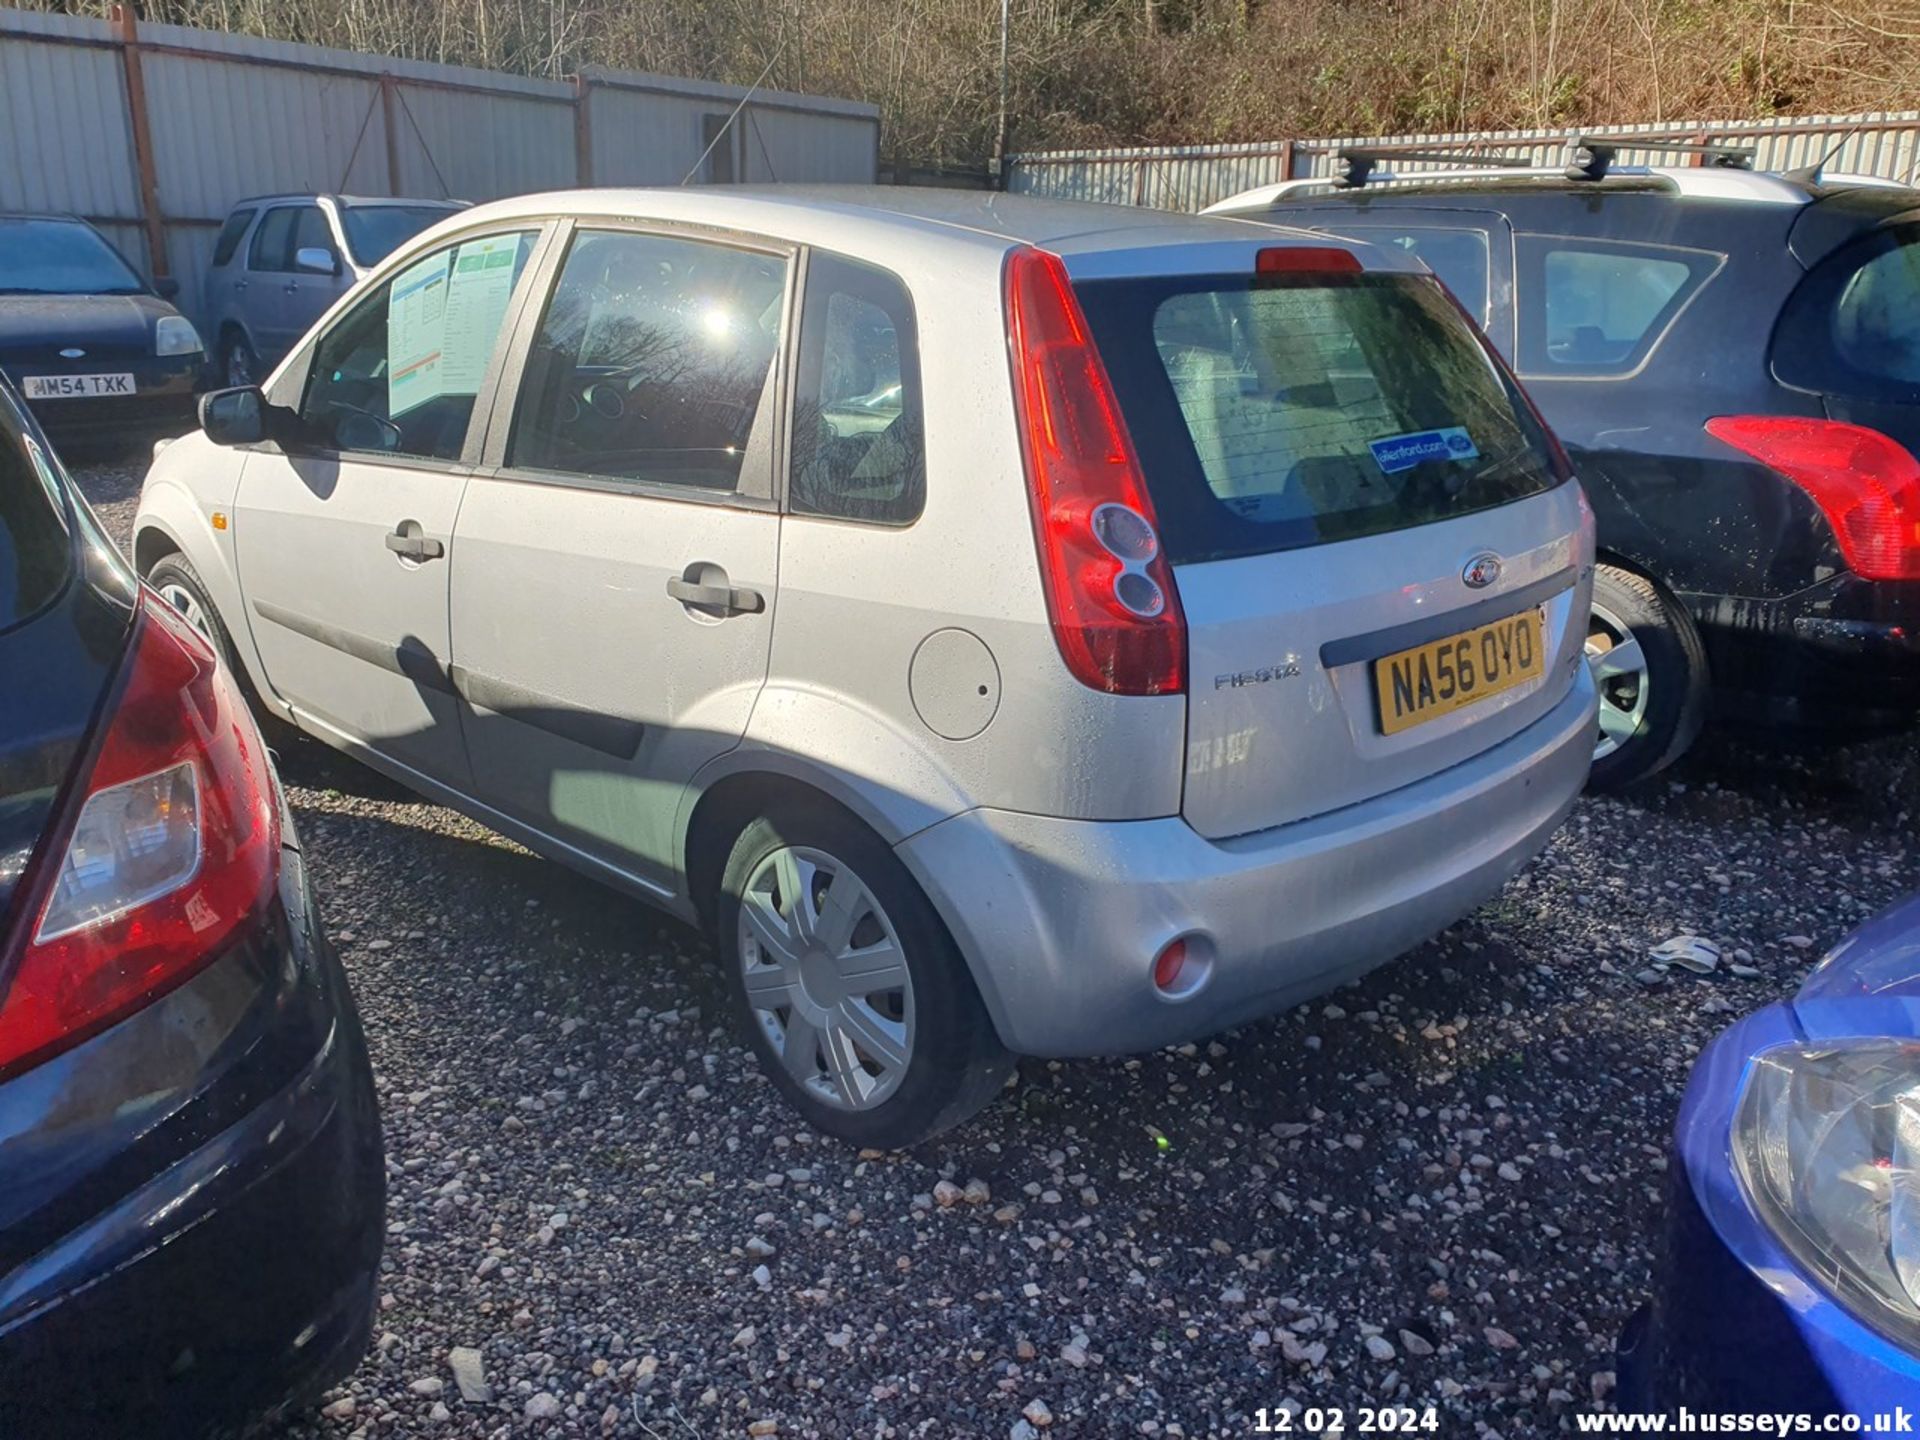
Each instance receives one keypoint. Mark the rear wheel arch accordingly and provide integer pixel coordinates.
(730, 804)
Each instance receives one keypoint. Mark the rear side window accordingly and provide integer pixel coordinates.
(858, 447)
(230, 234)
(1853, 326)
(398, 373)
(1294, 410)
(1599, 310)
(654, 362)
(1458, 257)
(34, 549)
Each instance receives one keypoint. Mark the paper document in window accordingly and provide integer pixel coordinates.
(443, 317)
(416, 325)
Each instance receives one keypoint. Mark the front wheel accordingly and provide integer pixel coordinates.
(1651, 671)
(851, 992)
(239, 366)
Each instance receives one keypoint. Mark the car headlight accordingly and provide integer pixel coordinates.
(1827, 1146)
(175, 335)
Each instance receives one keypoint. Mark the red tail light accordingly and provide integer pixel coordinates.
(167, 846)
(1116, 616)
(1867, 484)
(1305, 260)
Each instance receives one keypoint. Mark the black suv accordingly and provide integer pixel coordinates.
(1732, 359)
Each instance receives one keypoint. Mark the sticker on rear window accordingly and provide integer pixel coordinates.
(1402, 452)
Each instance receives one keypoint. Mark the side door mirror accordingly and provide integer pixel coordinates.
(316, 260)
(166, 287)
(234, 417)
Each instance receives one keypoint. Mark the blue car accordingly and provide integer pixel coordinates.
(1790, 1281)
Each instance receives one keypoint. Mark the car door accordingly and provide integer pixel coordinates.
(344, 531)
(266, 307)
(613, 583)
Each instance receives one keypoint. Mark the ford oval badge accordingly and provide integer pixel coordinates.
(1481, 571)
(73, 352)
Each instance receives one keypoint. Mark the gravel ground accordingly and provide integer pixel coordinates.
(1439, 1186)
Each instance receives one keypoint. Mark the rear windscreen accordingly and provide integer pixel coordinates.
(1276, 412)
(34, 550)
(1853, 327)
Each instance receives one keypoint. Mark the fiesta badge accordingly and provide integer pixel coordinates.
(1482, 570)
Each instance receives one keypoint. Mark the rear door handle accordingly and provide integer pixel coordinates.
(731, 599)
(414, 546)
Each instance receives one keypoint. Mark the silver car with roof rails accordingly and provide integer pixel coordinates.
(1010, 627)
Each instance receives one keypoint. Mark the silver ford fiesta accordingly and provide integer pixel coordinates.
(1011, 628)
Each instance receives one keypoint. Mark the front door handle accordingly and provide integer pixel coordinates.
(409, 544)
(728, 598)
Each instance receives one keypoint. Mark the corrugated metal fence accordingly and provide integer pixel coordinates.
(153, 131)
(1188, 177)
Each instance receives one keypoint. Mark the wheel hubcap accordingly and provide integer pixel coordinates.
(239, 372)
(1619, 669)
(827, 977)
(181, 599)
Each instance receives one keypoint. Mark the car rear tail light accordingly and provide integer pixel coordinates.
(168, 845)
(1305, 260)
(1110, 595)
(1867, 484)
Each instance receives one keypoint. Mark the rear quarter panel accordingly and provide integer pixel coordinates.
(857, 602)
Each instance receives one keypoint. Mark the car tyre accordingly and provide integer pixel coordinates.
(239, 365)
(175, 580)
(816, 919)
(1651, 670)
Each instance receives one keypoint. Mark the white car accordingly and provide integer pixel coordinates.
(1009, 627)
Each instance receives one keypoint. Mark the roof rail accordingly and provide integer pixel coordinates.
(1589, 157)
(1699, 181)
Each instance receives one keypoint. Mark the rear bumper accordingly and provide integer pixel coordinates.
(1845, 652)
(217, 1263)
(1060, 920)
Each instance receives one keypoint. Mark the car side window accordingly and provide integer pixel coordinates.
(859, 449)
(311, 232)
(399, 372)
(1852, 327)
(272, 248)
(230, 234)
(654, 362)
(1459, 257)
(1600, 309)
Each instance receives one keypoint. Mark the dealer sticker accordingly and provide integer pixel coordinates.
(1402, 452)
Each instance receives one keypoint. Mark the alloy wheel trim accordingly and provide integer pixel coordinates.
(828, 984)
(1621, 659)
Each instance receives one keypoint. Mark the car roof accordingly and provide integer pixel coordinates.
(822, 213)
(67, 218)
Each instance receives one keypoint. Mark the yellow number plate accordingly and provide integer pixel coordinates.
(1438, 678)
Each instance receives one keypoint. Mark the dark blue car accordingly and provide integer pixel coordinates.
(1790, 1281)
(191, 1174)
(102, 356)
